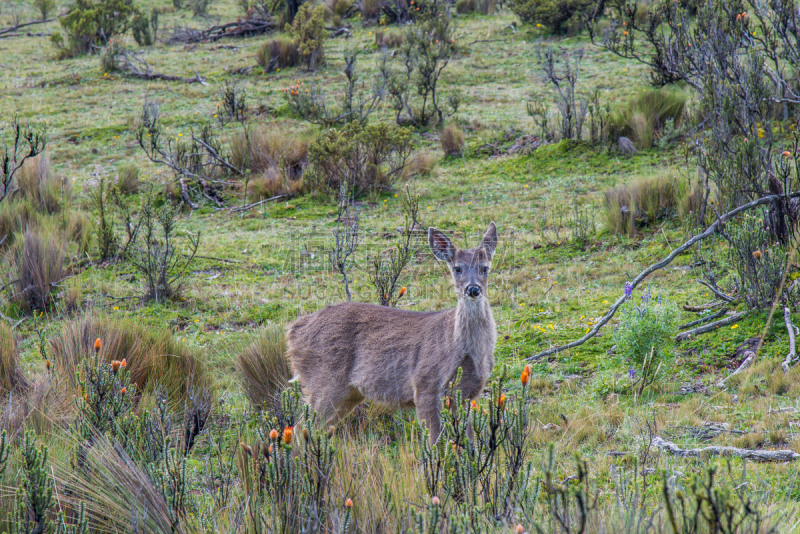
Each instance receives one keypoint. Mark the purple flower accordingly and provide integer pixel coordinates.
(628, 290)
(646, 297)
(632, 374)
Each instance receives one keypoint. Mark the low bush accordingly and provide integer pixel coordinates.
(388, 38)
(484, 7)
(648, 114)
(153, 356)
(645, 337)
(557, 16)
(37, 264)
(92, 23)
(278, 53)
(452, 141)
(128, 180)
(642, 202)
(144, 28)
(45, 7)
(362, 157)
(264, 369)
(11, 376)
(308, 31)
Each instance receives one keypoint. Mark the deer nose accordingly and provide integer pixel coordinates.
(473, 291)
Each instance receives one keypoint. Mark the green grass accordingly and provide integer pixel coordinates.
(269, 265)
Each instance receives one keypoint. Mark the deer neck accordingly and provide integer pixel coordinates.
(475, 330)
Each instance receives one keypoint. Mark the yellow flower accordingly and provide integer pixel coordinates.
(605, 302)
(735, 326)
(116, 308)
(526, 185)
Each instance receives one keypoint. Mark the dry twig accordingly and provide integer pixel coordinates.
(746, 454)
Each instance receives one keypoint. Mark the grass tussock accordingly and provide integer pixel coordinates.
(641, 202)
(42, 405)
(421, 163)
(152, 354)
(276, 159)
(128, 180)
(264, 369)
(452, 141)
(278, 53)
(37, 264)
(484, 7)
(11, 376)
(388, 38)
(647, 114)
(39, 185)
(15, 215)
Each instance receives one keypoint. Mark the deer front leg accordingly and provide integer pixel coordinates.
(428, 411)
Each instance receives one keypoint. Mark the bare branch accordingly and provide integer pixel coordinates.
(790, 328)
(709, 327)
(746, 454)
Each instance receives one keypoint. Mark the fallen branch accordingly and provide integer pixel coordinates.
(748, 361)
(712, 228)
(132, 65)
(336, 32)
(185, 194)
(791, 328)
(717, 292)
(240, 209)
(704, 319)
(709, 327)
(241, 28)
(746, 454)
(14, 28)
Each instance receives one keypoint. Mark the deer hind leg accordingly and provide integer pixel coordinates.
(428, 411)
(334, 408)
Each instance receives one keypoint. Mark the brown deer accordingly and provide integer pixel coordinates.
(347, 353)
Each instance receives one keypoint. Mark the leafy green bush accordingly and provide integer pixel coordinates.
(308, 31)
(645, 336)
(45, 7)
(144, 28)
(558, 16)
(92, 23)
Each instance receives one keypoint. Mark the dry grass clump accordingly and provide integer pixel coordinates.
(11, 376)
(370, 9)
(484, 7)
(642, 118)
(39, 185)
(388, 38)
(77, 228)
(641, 202)
(128, 180)
(452, 141)
(278, 54)
(264, 369)
(276, 159)
(152, 354)
(421, 163)
(41, 406)
(37, 264)
(14, 216)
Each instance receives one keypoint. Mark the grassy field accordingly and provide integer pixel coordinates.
(269, 265)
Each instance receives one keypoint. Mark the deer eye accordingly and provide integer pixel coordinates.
(457, 270)
(484, 269)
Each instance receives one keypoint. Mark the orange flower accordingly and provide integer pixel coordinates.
(520, 529)
(97, 344)
(524, 378)
(124, 391)
(47, 364)
(501, 401)
(270, 449)
(757, 254)
(474, 405)
(435, 501)
(786, 153)
(86, 398)
(447, 402)
(124, 363)
(625, 33)
(287, 435)
(115, 366)
(402, 291)
(527, 369)
(348, 503)
(273, 434)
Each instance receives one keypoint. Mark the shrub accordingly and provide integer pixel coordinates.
(278, 54)
(361, 157)
(234, 102)
(264, 369)
(308, 31)
(11, 376)
(369, 9)
(558, 16)
(641, 202)
(25, 143)
(758, 260)
(200, 7)
(152, 354)
(38, 264)
(452, 141)
(144, 28)
(484, 7)
(40, 186)
(647, 114)
(388, 38)
(92, 23)
(645, 337)
(128, 181)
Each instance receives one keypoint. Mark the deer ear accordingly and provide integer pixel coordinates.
(490, 239)
(440, 245)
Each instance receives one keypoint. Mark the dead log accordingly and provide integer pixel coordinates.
(13, 29)
(185, 194)
(786, 455)
(709, 327)
(791, 329)
(750, 357)
(132, 65)
(237, 29)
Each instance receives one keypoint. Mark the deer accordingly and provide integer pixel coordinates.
(347, 353)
